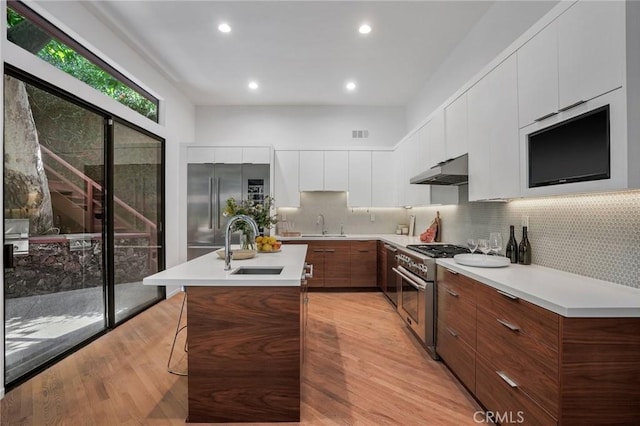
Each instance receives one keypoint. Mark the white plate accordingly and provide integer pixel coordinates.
(482, 260)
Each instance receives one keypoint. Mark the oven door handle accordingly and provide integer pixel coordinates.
(414, 282)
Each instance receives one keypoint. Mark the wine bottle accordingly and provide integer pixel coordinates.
(524, 249)
(512, 246)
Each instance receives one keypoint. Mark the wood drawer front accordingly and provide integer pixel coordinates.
(457, 314)
(513, 405)
(461, 285)
(459, 356)
(533, 366)
(537, 322)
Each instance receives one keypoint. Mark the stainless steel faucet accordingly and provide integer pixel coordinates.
(227, 236)
(322, 230)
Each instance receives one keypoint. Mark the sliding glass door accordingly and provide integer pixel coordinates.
(137, 215)
(83, 211)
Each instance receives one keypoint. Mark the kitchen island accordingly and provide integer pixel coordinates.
(245, 335)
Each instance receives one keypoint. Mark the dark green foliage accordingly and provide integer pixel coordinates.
(30, 37)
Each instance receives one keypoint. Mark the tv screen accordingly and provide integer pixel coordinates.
(575, 150)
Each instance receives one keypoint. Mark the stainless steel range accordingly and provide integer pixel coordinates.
(417, 292)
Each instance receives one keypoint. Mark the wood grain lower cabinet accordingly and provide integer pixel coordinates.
(456, 325)
(363, 263)
(532, 366)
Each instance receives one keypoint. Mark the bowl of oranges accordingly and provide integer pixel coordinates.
(268, 244)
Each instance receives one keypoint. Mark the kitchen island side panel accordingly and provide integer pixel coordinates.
(244, 354)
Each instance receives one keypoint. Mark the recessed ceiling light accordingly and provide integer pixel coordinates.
(253, 85)
(351, 86)
(364, 29)
(224, 28)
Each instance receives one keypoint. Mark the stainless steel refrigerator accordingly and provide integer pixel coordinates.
(208, 188)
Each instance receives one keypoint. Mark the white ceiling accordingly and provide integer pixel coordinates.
(301, 53)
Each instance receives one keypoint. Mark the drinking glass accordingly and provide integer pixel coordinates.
(483, 245)
(472, 243)
(495, 242)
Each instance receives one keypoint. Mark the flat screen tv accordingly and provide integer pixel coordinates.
(575, 150)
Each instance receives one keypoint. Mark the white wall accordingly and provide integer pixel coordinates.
(495, 31)
(299, 126)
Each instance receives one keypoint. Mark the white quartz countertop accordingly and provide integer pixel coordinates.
(208, 270)
(398, 240)
(564, 293)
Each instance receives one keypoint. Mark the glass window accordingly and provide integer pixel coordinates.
(33, 33)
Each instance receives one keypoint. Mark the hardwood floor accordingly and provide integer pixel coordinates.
(362, 368)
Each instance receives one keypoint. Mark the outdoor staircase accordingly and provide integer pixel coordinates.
(77, 200)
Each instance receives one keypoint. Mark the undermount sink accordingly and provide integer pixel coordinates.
(258, 270)
(322, 235)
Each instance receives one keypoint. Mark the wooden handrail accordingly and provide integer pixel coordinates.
(96, 185)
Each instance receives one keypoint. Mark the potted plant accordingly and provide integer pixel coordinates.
(260, 212)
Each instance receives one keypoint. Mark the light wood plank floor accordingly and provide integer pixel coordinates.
(362, 368)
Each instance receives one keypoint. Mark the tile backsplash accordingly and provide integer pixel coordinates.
(333, 206)
(595, 235)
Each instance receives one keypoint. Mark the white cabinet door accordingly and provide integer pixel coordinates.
(436, 152)
(383, 187)
(200, 155)
(359, 179)
(229, 155)
(416, 156)
(538, 76)
(591, 50)
(256, 155)
(286, 192)
(494, 161)
(400, 174)
(455, 116)
(336, 170)
(311, 170)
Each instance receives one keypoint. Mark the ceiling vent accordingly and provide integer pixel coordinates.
(359, 134)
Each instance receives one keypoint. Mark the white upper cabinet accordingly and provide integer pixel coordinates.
(228, 155)
(383, 188)
(256, 155)
(359, 179)
(401, 174)
(455, 116)
(591, 50)
(538, 76)
(577, 57)
(415, 159)
(286, 186)
(311, 170)
(435, 131)
(200, 155)
(336, 170)
(494, 160)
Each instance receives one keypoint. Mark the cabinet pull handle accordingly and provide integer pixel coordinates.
(507, 379)
(451, 272)
(452, 293)
(544, 117)
(508, 325)
(451, 332)
(318, 250)
(308, 267)
(329, 250)
(573, 105)
(507, 295)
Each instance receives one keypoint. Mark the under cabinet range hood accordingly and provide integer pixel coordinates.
(450, 172)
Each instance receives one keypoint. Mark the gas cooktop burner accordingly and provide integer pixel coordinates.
(438, 250)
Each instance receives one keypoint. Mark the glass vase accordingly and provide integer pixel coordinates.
(247, 240)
